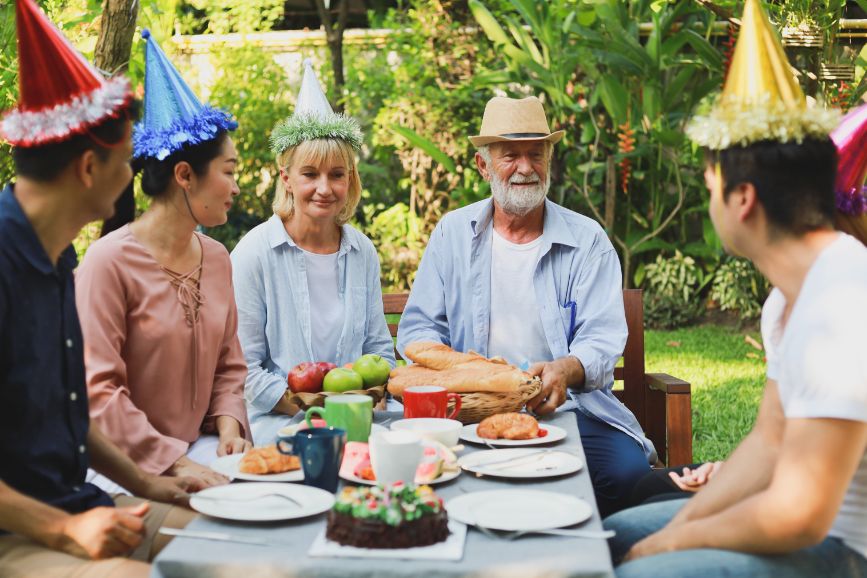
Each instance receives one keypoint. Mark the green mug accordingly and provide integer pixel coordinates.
(350, 412)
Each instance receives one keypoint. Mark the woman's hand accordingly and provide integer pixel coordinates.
(231, 441)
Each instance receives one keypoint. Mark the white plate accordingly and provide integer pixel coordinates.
(518, 510)
(522, 463)
(228, 466)
(444, 477)
(555, 434)
(238, 502)
(451, 549)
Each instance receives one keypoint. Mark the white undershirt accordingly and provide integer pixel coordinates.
(516, 332)
(326, 308)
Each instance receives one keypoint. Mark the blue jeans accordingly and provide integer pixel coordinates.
(615, 462)
(829, 559)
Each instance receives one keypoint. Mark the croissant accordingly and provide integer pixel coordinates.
(438, 364)
(510, 426)
(268, 460)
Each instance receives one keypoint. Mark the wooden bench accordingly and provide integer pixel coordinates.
(662, 403)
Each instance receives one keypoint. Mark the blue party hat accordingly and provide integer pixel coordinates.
(173, 116)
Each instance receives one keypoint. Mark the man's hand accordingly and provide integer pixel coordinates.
(556, 376)
(170, 489)
(202, 477)
(654, 544)
(102, 532)
(693, 480)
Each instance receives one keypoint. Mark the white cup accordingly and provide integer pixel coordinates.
(395, 455)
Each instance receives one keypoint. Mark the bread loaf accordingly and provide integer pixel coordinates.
(438, 364)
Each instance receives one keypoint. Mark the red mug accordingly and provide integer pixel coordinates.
(429, 401)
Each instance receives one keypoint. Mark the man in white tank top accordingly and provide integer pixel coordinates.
(791, 500)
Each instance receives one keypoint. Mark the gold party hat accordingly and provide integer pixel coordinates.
(761, 99)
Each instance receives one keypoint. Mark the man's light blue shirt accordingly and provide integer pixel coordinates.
(450, 300)
(269, 272)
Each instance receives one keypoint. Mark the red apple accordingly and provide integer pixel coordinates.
(325, 366)
(306, 378)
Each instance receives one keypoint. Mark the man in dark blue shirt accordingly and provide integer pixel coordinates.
(72, 162)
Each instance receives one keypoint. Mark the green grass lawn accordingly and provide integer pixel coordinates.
(726, 382)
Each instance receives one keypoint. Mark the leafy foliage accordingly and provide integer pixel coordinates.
(622, 99)
(418, 100)
(252, 87)
(738, 286)
(673, 296)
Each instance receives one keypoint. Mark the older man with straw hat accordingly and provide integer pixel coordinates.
(518, 276)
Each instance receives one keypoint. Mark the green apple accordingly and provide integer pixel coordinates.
(342, 379)
(373, 369)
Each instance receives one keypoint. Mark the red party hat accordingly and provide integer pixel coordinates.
(60, 93)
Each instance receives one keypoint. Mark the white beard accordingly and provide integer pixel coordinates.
(519, 201)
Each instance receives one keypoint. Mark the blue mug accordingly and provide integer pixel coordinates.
(320, 450)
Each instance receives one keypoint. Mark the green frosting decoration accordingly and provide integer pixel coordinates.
(304, 127)
(393, 505)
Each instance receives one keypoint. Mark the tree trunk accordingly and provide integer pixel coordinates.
(113, 47)
(115, 35)
(334, 38)
(610, 194)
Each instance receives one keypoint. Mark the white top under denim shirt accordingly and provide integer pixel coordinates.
(275, 319)
(322, 286)
(578, 292)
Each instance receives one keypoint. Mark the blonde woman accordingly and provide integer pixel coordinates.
(307, 283)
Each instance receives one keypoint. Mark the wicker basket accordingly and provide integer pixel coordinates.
(477, 406)
(307, 400)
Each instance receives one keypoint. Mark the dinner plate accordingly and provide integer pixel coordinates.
(446, 476)
(525, 463)
(258, 502)
(228, 466)
(555, 434)
(518, 510)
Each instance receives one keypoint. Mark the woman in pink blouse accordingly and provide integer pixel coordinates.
(165, 371)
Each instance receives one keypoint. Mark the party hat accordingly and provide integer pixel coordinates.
(173, 116)
(761, 99)
(60, 93)
(314, 118)
(851, 140)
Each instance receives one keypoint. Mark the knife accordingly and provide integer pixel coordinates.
(536, 455)
(217, 537)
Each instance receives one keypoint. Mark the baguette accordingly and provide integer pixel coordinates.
(475, 374)
(437, 355)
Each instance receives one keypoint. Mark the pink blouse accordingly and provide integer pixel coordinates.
(158, 377)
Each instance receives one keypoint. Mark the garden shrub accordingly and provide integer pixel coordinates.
(253, 88)
(738, 286)
(672, 296)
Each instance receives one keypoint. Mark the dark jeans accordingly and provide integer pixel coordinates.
(615, 462)
(657, 486)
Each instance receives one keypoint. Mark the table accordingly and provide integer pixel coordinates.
(530, 556)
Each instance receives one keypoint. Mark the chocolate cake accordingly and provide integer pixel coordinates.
(398, 516)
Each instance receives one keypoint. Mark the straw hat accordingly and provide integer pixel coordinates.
(512, 119)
